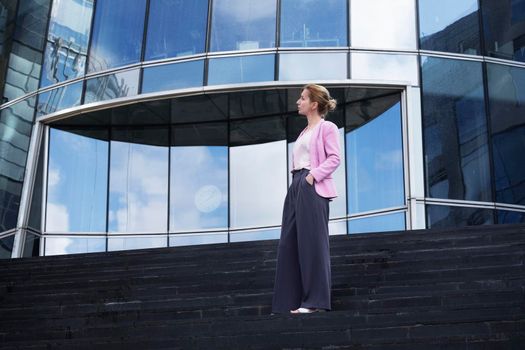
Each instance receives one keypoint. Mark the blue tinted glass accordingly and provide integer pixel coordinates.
(243, 24)
(244, 236)
(506, 86)
(8, 27)
(112, 86)
(16, 123)
(58, 99)
(313, 66)
(176, 28)
(504, 28)
(455, 130)
(199, 181)
(382, 223)
(440, 216)
(67, 41)
(141, 242)
(449, 25)
(6, 247)
(241, 69)
(77, 181)
(374, 153)
(313, 23)
(117, 34)
(74, 245)
(194, 239)
(173, 76)
(510, 217)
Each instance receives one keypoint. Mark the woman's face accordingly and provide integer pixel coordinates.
(304, 105)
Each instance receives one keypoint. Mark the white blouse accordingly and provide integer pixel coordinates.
(301, 151)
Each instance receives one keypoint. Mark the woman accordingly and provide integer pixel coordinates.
(303, 277)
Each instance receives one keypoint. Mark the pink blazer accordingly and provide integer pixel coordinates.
(324, 157)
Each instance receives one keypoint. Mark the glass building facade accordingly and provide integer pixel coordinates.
(129, 124)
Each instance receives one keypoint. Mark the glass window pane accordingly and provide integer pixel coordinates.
(245, 69)
(112, 86)
(313, 23)
(455, 130)
(380, 223)
(257, 156)
(259, 235)
(384, 67)
(6, 247)
(337, 228)
(35, 211)
(74, 245)
(198, 238)
(117, 34)
(441, 216)
(504, 28)
(77, 181)
(510, 217)
(31, 245)
(374, 152)
(139, 242)
(176, 28)
(6, 42)
(313, 66)
(506, 90)
(58, 99)
(383, 24)
(449, 25)
(138, 196)
(199, 108)
(199, 180)
(16, 123)
(243, 24)
(173, 76)
(67, 41)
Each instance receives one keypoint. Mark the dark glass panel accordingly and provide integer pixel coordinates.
(7, 27)
(31, 245)
(455, 130)
(173, 76)
(256, 103)
(138, 189)
(60, 98)
(243, 24)
(510, 217)
(374, 151)
(449, 25)
(506, 87)
(6, 247)
(199, 177)
(74, 245)
(381, 223)
(441, 216)
(23, 72)
(313, 23)
(199, 108)
(77, 181)
(244, 69)
(151, 113)
(16, 124)
(67, 41)
(117, 34)
(176, 28)
(112, 86)
(504, 28)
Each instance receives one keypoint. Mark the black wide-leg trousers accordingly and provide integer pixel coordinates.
(303, 276)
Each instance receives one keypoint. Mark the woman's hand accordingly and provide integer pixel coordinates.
(310, 179)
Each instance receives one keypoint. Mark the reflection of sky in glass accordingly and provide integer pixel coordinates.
(383, 24)
(199, 188)
(384, 67)
(140, 242)
(68, 36)
(313, 23)
(173, 76)
(258, 184)
(58, 99)
(337, 228)
(436, 15)
(194, 239)
(382, 223)
(76, 245)
(117, 34)
(255, 235)
(243, 24)
(138, 197)
(308, 66)
(77, 183)
(244, 69)
(375, 163)
(176, 28)
(112, 86)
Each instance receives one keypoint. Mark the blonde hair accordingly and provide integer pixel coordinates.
(320, 94)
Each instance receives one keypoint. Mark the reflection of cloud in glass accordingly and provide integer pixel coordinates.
(258, 184)
(80, 22)
(313, 66)
(66, 245)
(443, 13)
(138, 188)
(57, 218)
(245, 10)
(384, 67)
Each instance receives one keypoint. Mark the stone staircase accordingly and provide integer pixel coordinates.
(429, 289)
